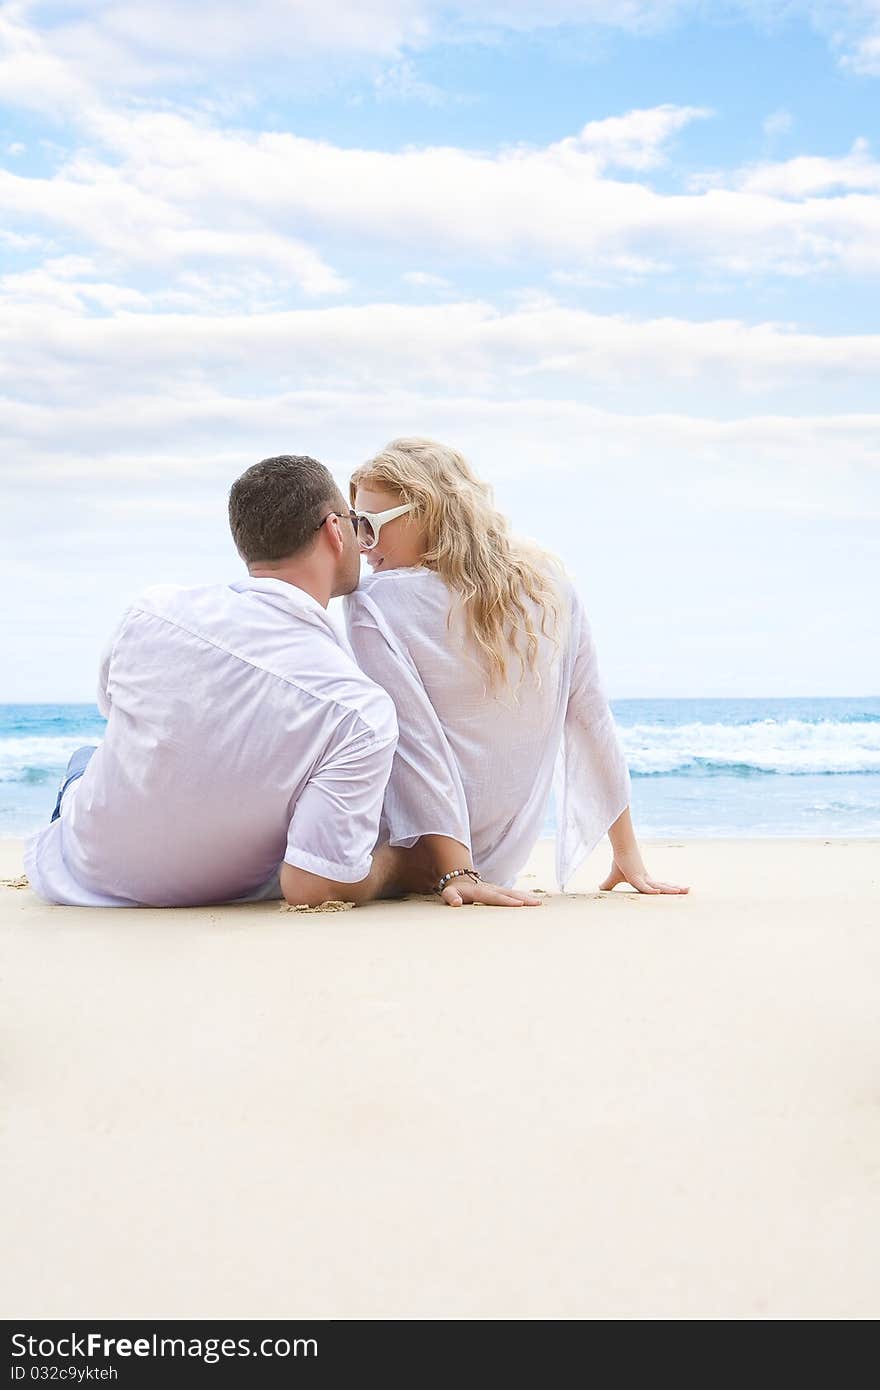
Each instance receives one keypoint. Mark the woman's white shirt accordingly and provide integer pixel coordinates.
(478, 764)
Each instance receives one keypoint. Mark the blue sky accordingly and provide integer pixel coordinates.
(626, 256)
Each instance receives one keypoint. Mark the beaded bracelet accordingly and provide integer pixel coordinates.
(457, 873)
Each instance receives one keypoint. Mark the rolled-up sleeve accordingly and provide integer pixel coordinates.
(335, 823)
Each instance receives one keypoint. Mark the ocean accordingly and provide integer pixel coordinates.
(700, 767)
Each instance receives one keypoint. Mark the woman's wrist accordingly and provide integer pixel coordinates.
(453, 874)
(450, 860)
(420, 868)
(444, 854)
(623, 836)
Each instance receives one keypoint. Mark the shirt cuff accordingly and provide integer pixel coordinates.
(406, 839)
(325, 868)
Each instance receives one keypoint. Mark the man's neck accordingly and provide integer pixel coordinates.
(300, 576)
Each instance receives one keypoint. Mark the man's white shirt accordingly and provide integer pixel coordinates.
(240, 735)
(477, 764)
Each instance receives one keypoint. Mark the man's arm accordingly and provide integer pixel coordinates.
(335, 822)
(398, 871)
(302, 889)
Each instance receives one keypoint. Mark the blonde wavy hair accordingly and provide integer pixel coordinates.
(470, 546)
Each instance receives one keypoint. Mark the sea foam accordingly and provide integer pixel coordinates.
(792, 746)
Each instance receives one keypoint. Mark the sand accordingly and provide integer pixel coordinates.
(611, 1106)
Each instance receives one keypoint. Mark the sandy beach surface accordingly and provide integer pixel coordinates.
(611, 1106)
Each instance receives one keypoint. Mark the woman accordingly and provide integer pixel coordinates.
(485, 649)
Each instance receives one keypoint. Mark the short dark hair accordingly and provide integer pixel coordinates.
(276, 507)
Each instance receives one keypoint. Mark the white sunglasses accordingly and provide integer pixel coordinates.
(367, 525)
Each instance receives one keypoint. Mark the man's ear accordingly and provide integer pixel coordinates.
(334, 535)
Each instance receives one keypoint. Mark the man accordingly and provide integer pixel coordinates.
(245, 753)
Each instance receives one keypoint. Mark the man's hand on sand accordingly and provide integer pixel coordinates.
(465, 890)
(629, 868)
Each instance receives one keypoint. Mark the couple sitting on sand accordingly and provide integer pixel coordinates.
(249, 754)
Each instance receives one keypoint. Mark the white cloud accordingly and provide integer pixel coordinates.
(800, 466)
(551, 202)
(142, 43)
(806, 175)
(115, 211)
(464, 348)
(63, 50)
(169, 190)
(425, 279)
(401, 82)
(137, 44)
(691, 517)
(633, 141)
(169, 402)
(865, 57)
(623, 269)
(853, 30)
(778, 123)
(66, 283)
(32, 75)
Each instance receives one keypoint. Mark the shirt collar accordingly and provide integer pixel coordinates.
(280, 594)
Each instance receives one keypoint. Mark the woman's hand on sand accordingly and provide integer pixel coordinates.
(629, 868)
(465, 890)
